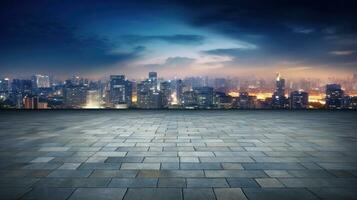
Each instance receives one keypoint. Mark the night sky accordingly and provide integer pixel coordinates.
(178, 38)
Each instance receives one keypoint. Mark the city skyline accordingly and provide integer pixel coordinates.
(154, 92)
(178, 38)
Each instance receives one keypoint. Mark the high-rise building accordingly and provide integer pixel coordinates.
(193, 82)
(120, 91)
(153, 81)
(299, 100)
(165, 89)
(30, 102)
(148, 98)
(189, 100)
(204, 97)
(148, 95)
(176, 92)
(278, 98)
(221, 85)
(334, 96)
(4, 85)
(153, 76)
(350, 102)
(74, 95)
(222, 101)
(22, 86)
(41, 81)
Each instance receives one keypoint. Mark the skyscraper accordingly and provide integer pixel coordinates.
(165, 89)
(4, 85)
(299, 100)
(176, 92)
(334, 96)
(153, 76)
(189, 100)
(41, 81)
(74, 95)
(120, 91)
(149, 97)
(204, 97)
(278, 98)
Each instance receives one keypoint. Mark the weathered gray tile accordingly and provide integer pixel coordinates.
(133, 182)
(45, 193)
(198, 194)
(99, 166)
(153, 193)
(42, 159)
(73, 182)
(172, 182)
(310, 154)
(235, 173)
(200, 166)
(71, 166)
(242, 182)
(229, 194)
(207, 182)
(98, 193)
(114, 173)
(335, 193)
(70, 173)
(124, 159)
(171, 173)
(13, 193)
(273, 194)
(269, 183)
(140, 166)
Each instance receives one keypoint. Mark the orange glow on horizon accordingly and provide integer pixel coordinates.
(233, 94)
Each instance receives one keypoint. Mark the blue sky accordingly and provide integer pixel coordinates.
(178, 38)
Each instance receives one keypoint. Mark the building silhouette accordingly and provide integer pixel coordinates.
(334, 96)
(120, 92)
(299, 100)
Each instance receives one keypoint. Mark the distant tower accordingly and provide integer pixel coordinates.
(41, 81)
(153, 76)
(153, 80)
(278, 97)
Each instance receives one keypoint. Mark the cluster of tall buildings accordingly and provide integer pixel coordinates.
(42, 92)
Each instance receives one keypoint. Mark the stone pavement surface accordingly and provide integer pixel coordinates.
(179, 155)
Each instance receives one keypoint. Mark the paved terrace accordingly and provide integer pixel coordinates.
(177, 155)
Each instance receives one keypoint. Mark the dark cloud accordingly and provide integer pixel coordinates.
(258, 16)
(92, 35)
(38, 41)
(293, 30)
(176, 39)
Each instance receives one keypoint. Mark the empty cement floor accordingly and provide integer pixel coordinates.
(178, 155)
